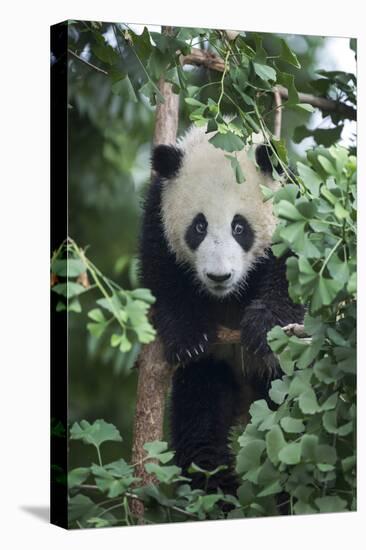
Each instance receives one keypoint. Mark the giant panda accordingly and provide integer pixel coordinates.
(205, 253)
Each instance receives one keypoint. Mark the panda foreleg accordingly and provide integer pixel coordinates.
(203, 409)
(186, 335)
(259, 318)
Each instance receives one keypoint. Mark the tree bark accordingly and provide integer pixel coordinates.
(154, 372)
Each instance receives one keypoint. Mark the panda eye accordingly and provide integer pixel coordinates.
(238, 228)
(201, 228)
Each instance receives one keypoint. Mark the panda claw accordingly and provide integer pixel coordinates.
(205, 337)
(201, 348)
(189, 353)
(177, 355)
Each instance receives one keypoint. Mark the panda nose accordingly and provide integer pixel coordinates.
(219, 278)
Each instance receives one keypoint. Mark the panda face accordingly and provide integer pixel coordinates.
(221, 250)
(217, 227)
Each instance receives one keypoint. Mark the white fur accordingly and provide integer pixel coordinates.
(206, 183)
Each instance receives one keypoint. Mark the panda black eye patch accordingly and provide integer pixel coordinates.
(242, 232)
(196, 232)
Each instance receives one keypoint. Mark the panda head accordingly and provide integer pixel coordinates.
(217, 227)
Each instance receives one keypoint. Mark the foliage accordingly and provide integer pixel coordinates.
(299, 448)
(170, 499)
(305, 448)
(125, 308)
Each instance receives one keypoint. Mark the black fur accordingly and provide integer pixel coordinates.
(193, 237)
(166, 160)
(204, 396)
(264, 158)
(203, 409)
(246, 238)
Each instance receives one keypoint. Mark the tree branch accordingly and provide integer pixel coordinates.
(277, 114)
(90, 65)
(211, 61)
(154, 371)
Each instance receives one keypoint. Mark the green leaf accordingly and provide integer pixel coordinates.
(99, 522)
(111, 304)
(309, 445)
(272, 489)
(288, 55)
(287, 363)
(294, 233)
(194, 102)
(275, 442)
(304, 107)
(325, 293)
(194, 469)
(325, 454)
(96, 329)
(81, 506)
(68, 267)
(331, 504)
(74, 305)
(203, 505)
(288, 80)
(310, 178)
(97, 315)
(116, 340)
(104, 51)
(279, 390)
(143, 294)
(259, 410)
(158, 450)
(250, 455)
(245, 493)
(69, 289)
(265, 72)
(327, 165)
(77, 476)
(165, 474)
(288, 211)
(267, 193)
(114, 478)
(290, 454)
(331, 402)
(125, 344)
(340, 212)
(300, 383)
(239, 176)
(292, 425)
(308, 402)
(330, 422)
(301, 507)
(96, 433)
(228, 142)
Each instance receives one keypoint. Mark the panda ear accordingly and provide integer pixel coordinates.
(166, 160)
(264, 156)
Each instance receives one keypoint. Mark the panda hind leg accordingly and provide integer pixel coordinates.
(204, 406)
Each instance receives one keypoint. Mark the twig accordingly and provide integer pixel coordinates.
(277, 114)
(211, 61)
(136, 498)
(98, 69)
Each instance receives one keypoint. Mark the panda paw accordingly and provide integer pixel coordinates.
(256, 322)
(188, 352)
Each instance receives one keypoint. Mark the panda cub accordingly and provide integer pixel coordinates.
(205, 255)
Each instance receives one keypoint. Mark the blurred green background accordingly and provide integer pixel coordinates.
(110, 138)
